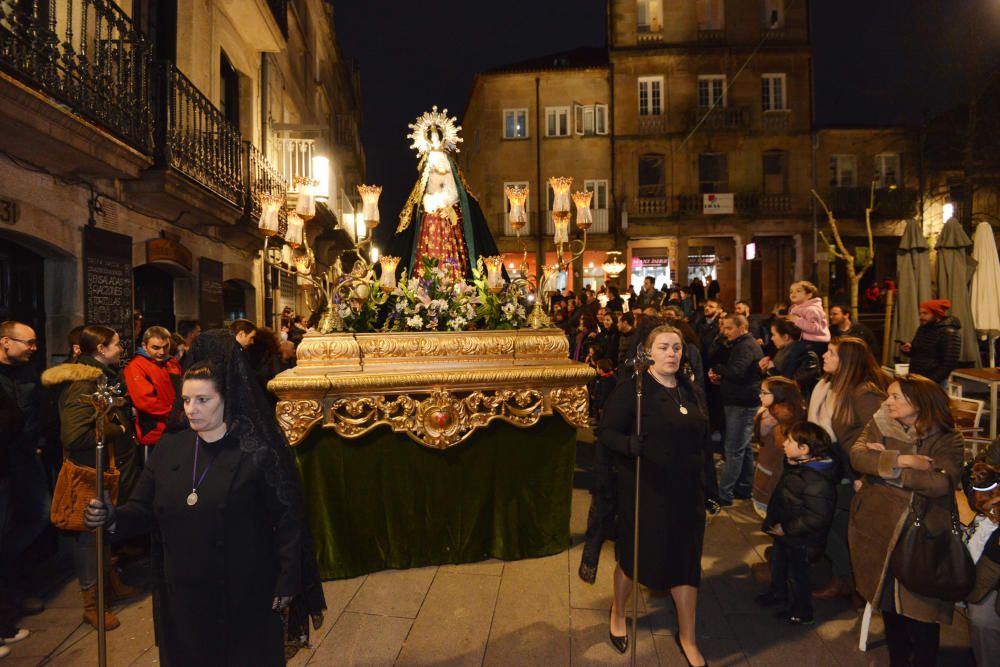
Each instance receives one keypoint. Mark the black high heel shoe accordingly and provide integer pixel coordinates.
(620, 643)
(680, 647)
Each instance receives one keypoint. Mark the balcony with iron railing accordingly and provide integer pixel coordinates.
(195, 138)
(87, 57)
(262, 180)
(890, 203)
(720, 118)
(757, 204)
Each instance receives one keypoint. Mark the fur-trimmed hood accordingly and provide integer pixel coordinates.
(69, 372)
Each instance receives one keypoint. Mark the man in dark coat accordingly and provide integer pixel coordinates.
(738, 380)
(841, 324)
(760, 331)
(937, 344)
(30, 499)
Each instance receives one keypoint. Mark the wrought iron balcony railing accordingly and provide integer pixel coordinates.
(87, 55)
(195, 138)
(262, 179)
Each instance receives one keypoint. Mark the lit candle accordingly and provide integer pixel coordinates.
(583, 217)
(517, 197)
(369, 197)
(494, 277)
(374, 254)
(388, 278)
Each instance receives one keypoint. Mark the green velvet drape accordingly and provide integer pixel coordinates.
(384, 501)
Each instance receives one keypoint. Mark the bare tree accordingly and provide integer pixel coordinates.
(855, 269)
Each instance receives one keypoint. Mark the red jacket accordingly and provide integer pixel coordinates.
(152, 388)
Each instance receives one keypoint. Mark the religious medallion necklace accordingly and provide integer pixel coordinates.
(192, 498)
(676, 399)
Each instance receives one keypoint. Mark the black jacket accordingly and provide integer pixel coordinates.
(740, 373)
(797, 362)
(803, 503)
(20, 383)
(935, 349)
(858, 330)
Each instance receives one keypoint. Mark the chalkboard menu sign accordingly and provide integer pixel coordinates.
(107, 282)
(211, 307)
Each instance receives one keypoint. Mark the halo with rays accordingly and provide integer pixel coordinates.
(435, 131)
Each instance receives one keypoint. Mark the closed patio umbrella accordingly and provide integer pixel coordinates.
(986, 285)
(954, 271)
(913, 268)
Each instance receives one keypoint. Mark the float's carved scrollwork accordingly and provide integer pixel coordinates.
(440, 420)
(297, 418)
(573, 404)
(436, 387)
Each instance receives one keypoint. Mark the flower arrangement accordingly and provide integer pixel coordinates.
(435, 299)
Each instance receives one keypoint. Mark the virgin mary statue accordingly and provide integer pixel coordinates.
(441, 218)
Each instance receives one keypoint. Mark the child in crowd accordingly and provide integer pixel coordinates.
(808, 314)
(799, 517)
(781, 408)
(604, 384)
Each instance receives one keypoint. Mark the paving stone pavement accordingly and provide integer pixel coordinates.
(529, 612)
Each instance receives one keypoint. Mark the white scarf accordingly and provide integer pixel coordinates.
(821, 407)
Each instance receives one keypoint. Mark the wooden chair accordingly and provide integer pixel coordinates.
(967, 413)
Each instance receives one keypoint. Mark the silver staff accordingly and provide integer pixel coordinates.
(641, 363)
(103, 400)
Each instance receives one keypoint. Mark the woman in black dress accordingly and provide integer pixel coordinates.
(230, 525)
(672, 445)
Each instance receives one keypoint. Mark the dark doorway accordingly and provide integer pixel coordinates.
(234, 299)
(154, 297)
(22, 292)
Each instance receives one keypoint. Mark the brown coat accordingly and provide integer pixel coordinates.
(771, 456)
(864, 404)
(881, 509)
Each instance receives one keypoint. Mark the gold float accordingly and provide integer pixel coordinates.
(437, 387)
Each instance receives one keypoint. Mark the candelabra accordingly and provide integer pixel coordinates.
(333, 285)
(567, 250)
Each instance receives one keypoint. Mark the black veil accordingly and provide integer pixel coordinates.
(250, 417)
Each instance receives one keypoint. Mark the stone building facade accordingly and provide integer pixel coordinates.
(712, 151)
(139, 142)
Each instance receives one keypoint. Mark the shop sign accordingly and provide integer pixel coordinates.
(717, 203)
(168, 250)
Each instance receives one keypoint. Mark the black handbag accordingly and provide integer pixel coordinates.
(937, 566)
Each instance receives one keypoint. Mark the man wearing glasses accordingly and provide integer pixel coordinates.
(24, 491)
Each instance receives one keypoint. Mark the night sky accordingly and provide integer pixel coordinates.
(878, 62)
